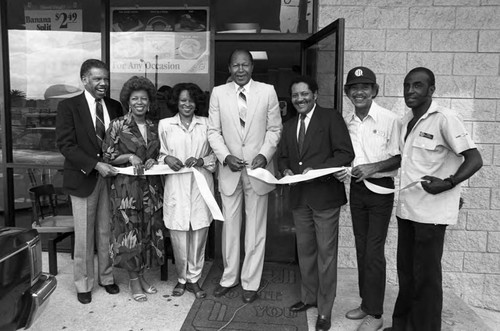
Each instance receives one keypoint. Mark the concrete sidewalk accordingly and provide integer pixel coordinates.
(165, 312)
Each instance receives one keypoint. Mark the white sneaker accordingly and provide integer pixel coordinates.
(371, 323)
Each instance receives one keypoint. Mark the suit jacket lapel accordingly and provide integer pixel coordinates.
(294, 135)
(234, 112)
(111, 110)
(84, 110)
(252, 102)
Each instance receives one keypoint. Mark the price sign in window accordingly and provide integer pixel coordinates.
(53, 19)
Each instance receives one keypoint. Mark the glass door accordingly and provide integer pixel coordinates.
(323, 59)
(320, 56)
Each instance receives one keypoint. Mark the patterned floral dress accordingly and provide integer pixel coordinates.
(137, 227)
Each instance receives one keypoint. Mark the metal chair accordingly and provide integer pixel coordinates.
(45, 220)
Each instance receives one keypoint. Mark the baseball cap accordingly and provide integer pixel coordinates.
(360, 75)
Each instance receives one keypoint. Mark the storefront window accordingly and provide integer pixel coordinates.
(168, 45)
(24, 179)
(48, 41)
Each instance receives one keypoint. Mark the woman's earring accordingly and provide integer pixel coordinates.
(129, 109)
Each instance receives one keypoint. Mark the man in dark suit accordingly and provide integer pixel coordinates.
(80, 125)
(315, 139)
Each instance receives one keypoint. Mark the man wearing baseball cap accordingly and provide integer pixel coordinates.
(374, 133)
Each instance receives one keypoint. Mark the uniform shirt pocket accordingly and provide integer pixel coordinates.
(424, 151)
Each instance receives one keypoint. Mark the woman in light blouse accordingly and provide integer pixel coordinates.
(184, 143)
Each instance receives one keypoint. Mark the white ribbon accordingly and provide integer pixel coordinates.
(266, 176)
(162, 169)
(384, 190)
(380, 189)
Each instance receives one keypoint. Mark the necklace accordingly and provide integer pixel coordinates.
(186, 124)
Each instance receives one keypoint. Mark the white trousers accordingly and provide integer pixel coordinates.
(255, 235)
(189, 253)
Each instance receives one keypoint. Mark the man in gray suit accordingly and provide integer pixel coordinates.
(244, 130)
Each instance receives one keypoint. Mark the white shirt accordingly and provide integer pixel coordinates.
(182, 201)
(91, 103)
(307, 120)
(432, 148)
(375, 138)
(246, 88)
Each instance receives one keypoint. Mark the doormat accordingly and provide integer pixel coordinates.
(279, 289)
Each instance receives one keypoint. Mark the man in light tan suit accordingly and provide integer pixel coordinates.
(244, 131)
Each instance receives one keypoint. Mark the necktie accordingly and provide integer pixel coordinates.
(302, 132)
(99, 121)
(242, 105)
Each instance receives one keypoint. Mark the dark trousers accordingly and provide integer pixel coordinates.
(371, 214)
(420, 299)
(317, 234)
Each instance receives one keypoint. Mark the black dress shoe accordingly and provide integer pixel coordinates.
(300, 306)
(249, 296)
(111, 288)
(221, 290)
(84, 297)
(323, 323)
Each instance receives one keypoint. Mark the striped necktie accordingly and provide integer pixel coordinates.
(302, 132)
(99, 121)
(242, 106)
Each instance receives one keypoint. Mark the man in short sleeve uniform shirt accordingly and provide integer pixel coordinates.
(375, 135)
(437, 149)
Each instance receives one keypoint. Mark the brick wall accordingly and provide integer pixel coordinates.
(460, 41)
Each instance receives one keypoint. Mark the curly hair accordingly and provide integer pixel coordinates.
(139, 83)
(195, 92)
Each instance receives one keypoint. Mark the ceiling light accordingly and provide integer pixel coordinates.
(259, 55)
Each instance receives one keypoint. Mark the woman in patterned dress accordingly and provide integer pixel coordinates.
(136, 201)
(184, 143)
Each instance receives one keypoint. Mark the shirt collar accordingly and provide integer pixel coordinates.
(90, 99)
(246, 86)
(373, 112)
(178, 120)
(310, 113)
(433, 108)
